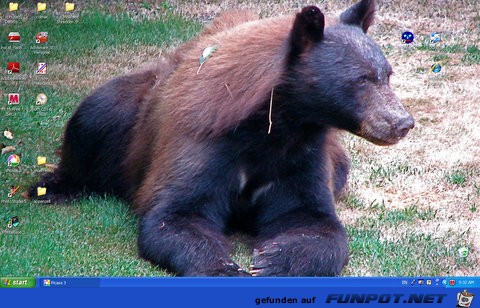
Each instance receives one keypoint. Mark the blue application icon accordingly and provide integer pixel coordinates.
(435, 38)
(436, 68)
(407, 37)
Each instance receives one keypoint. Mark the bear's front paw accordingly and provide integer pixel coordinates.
(270, 260)
(300, 255)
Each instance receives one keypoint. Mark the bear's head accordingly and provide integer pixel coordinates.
(339, 77)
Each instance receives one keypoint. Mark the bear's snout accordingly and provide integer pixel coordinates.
(404, 125)
(387, 127)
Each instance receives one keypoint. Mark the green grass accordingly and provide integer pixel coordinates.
(471, 53)
(444, 58)
(391, 242)
(95, 236)
(352, 201)
(381, 174)
(473, 208)
(450, 48)
(476, 189)
(472, 56)
(95, 34)
(409, 214)
(387, 241)
(458, 178)
(404, 256)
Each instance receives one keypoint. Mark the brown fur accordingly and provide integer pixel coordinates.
(151, 112)
(238, 77)
(177, 112)
(235, 64)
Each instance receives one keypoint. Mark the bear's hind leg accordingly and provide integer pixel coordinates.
(188, 246)
(301, 244)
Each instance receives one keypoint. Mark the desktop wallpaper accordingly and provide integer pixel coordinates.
(409, 209)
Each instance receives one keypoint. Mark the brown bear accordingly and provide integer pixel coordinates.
(245, 141)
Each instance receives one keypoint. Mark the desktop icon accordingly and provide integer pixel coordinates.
(42, 68)
(407, 37)
(41, 191)
(13, 191)
(13, 98)
(13, 6)
(41, 160)
(13, 67)
(13, 222)
(8, 134)
(41, 99)
(14, 37)
(463, 252)
(436, 68)
(435, 38)
(69, 6)
(13, 160)
(41, 6)
(41, 37)
(464, 299)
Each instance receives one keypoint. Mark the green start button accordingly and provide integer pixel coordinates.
(18, 282)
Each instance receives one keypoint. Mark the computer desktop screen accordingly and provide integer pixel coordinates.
(147, 144)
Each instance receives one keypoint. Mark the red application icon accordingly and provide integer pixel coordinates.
(14, 37)
(451, 282)
(13, 67)
(13, 98)
(41, 37)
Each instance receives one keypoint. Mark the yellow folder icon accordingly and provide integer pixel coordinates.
(69, 6)
(41, 160)
(41, 191)
(41, 6)
(13, 6)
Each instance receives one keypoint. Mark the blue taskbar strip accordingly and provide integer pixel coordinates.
(453, 292)
(220, 282)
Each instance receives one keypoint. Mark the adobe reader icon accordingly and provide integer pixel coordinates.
(13, 67)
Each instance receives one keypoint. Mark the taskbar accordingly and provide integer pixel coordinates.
(241, 292)
(298, 282)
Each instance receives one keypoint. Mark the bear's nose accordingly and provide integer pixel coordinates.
(405, 125)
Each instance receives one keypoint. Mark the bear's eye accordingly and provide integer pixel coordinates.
(362, 80)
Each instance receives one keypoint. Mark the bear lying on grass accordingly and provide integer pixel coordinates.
(246, 141)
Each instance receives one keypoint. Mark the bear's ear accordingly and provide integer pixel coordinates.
(360, 14)
(307, 30)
